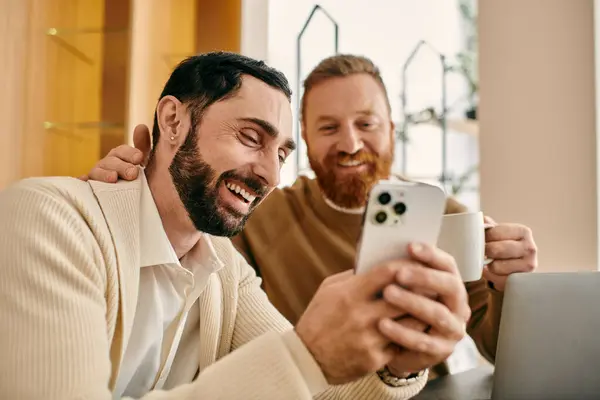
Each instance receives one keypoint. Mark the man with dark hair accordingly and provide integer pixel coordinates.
(302, 234)
(133, 290)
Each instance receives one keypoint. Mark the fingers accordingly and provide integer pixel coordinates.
(103, 175)
(373, 281)
(114, 168)
(142, 141)
(426, 310)
(412, 323)
(432, 257)
(413, 340)
(507, 267)
(448, 286)
(507, 232)
(505, 250)
(126, 153)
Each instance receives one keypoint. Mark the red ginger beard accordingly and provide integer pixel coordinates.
(351, 190)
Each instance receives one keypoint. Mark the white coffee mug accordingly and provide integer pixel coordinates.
(463, 236)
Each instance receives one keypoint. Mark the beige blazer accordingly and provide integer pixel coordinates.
(69, 275)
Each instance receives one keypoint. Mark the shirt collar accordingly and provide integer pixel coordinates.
(155, 247)
(204, 253)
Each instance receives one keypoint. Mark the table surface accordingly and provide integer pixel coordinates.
(475, 384)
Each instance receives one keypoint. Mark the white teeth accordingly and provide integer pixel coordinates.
(237, 189)
(350, 163)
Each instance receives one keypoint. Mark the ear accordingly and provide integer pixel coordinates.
(174, 121)
(303, 130)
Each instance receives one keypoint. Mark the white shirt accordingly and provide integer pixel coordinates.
(167, 313)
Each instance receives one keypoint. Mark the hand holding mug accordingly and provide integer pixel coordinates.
(513, 250)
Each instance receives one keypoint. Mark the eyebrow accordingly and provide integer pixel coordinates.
(326, 118)
(271, 131)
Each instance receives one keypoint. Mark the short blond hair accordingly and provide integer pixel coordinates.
(341, 65)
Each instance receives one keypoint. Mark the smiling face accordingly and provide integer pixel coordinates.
(229, 160)
(349, 136)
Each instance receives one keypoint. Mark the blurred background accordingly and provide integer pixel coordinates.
(494, 101)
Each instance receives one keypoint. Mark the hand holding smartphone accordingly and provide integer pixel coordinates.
(398, 213)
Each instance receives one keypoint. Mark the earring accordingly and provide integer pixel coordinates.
(172, 137)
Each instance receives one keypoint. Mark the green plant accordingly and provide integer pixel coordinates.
(466, 61)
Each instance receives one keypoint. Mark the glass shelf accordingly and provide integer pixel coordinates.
(59, 36)
(83, 125)
(83, 31)
(67, 128)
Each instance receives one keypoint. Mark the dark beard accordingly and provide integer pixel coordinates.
(351, 191)
(198, 188)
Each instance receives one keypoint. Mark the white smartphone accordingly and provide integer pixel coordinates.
(398, 213)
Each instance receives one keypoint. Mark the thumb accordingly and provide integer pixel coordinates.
(141, 141)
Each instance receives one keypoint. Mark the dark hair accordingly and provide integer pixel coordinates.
(202, 80)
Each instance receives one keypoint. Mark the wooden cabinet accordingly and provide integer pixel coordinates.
(78, 75)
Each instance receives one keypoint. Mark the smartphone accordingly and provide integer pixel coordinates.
(398, 213)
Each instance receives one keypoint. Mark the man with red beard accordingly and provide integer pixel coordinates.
(302, 234)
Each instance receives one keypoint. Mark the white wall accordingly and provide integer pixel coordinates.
(385, 31)
(255, 29)
(538, 124)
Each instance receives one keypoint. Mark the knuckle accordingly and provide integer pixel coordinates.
(441, 313)
(108, 160)
(123, 149)
(530, 265)
(344, 299)
(448, 258)
(530, 248)
(389, 269)
(423, 276)
(460, 289)
(466, 315)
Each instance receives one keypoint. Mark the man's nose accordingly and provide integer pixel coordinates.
(350, 140)
(268, 169)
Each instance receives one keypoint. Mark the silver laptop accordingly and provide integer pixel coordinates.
(549, 343)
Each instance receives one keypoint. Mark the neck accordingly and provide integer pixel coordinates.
(178, 226)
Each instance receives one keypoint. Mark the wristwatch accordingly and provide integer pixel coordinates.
(391, 380)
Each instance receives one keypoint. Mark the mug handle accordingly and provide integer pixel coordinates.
(486, 260)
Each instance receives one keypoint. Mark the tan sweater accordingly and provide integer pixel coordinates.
(295, 240)
(69, 277)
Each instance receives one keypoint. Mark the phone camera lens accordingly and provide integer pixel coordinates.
(384, 198)
(380, 217)
(399, 208)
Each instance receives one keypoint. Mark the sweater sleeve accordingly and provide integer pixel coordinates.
(484, 325)
(54, 340)
(256, 315)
